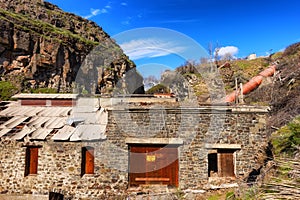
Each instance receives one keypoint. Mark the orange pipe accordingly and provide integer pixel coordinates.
(252, 84)
(231, 97)
(269, 71)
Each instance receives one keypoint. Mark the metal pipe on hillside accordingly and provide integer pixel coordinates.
(252, 84)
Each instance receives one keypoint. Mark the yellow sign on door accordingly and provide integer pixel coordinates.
(150, 158)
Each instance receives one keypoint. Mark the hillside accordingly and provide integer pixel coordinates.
(279, 176)
(280, 91)
(42, 46)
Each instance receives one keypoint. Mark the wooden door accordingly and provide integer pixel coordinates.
(87, 164)
(226, 162)
(153, 165)
(31, 160)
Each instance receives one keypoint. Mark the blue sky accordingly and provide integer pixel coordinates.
(240, 27)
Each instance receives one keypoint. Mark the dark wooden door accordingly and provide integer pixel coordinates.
(31, 161)
(153, 165)
(226, 161)
(87, 163)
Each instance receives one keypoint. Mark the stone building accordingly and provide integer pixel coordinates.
(85, 148)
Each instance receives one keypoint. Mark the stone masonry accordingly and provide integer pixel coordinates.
(59, 163)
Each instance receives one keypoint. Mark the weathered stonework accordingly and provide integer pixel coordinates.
(200, 129)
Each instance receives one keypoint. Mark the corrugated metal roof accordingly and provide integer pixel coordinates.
(25, 131)
(40, 134)
(36, 110)
(13, 122)
(55, 111)
(56, 123)
(64, 133)
(4, 131)
(98, 117)
(9, 111)
(89, 132)
(39, 121)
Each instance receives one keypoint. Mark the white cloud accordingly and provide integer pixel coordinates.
(231, 50)
(150, 48)
(95, 12)
(123, 4)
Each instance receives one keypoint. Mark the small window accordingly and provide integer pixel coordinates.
(31, 161)
(212, 164)
(221, 164)
(87, 163)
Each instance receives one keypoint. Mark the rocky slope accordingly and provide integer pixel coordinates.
(42, 46)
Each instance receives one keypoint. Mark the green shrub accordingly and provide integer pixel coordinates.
(7, 90)
(159, 88)
(287, 139)
(44, 90)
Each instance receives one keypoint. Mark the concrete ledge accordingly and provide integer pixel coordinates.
(177, 141)
(223, 146)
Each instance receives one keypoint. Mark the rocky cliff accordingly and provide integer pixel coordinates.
(42, 46)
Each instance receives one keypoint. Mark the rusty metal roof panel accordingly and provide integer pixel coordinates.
(64, 133)
(89, 132)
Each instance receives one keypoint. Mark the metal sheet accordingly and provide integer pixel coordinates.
(13, 122)
(21, 111)
(56, 123)
(65, 111)
(4, 131)
(40, 134)
(98, 117)
(38, 122)
(64, 133)
(89, 132)
(8, 111)
(55, 112)
(48, 112)
(87, 118)
(33, 111)
(25, 131)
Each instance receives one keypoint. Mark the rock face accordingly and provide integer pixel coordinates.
(43, 47)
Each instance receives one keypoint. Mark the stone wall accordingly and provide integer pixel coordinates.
(59, 165)
(197, 128)
(59, 170)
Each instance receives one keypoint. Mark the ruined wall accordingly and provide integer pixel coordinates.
(59, 167)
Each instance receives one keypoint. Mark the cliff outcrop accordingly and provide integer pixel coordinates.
(42, 46)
